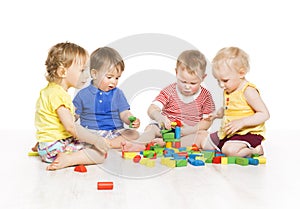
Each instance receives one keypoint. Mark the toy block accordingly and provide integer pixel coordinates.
(196, 162)
(195, 147)
(149, 153)
(169, 136)
(173, 124)
(164, 131)
(33, 154)
(184, 154)
(178, 123)
(147, 162)
(242, 161)
(129, 155)
(208, 154)
(220, 154)
(167, 161)
(131, 119)
(168, 144)
(137, 158)
(177, 132)
(216, 160)
(105, 185)
(261, 159)
(224, 160)
(181, 149)
(80, 168)
(231, 160)
(168, 152)
(159, 151)
(177, 144)
(181, 163)
(253, 161)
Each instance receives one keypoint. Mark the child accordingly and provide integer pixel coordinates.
(57, 133)
(186, 101)
(244, 112)
(102, 107)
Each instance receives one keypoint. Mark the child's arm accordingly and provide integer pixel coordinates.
(154, 113)
(124, 117)
(79, 132)
(261, 112)
(204, 124)
(67, 119)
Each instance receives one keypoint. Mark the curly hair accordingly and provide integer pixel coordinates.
(63, 55)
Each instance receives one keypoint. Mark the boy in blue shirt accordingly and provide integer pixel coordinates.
(102, 107)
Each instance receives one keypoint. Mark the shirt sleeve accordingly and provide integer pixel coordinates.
(78, 104)
(122, 101)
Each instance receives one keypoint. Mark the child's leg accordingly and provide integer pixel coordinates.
(35, 147)
(84, 135)
(201, 139)
(151, 132)
(240, 149)
(86, 156)
(126, 135)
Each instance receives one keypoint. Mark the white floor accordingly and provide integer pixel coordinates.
(26, 184)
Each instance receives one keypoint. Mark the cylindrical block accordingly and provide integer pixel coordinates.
(105, 185)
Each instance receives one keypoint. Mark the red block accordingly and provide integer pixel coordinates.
(80, 168)
(217, 160)
(105, 185)
(137, 158)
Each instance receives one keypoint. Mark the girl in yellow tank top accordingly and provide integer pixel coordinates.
(244, 112)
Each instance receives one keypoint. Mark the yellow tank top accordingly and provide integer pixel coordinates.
(236, 107)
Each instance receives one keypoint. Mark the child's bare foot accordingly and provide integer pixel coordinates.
(35, 148)
(61, 161)
(258, 150)
(132, 147)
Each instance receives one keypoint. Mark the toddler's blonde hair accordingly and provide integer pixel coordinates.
(233, 58)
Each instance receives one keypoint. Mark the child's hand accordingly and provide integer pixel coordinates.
(136, 123)
(212, 116)
(233, 126)
(164, 121)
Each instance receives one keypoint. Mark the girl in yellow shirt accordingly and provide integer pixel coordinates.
(61, 141)
(243, 113)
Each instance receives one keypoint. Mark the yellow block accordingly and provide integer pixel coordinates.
(147, 162)
(261, 159)
(224, 160)
(168, 144)
(33, 154)
(130, 155)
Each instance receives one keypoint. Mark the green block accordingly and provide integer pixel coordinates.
(231, 160)
(168, 136)
(181, 163)
(242, 161)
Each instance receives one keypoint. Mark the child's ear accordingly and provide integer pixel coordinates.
(242, 73)
(62, 72)
(93, 73)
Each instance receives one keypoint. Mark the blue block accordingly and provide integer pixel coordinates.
(177, 132)
(196, 162)
(253, 161)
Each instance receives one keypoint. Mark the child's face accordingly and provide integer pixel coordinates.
(108, 81)
(228, 79)
(188, 84)
(77, 75)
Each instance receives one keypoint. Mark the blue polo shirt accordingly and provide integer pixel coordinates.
(100, 110)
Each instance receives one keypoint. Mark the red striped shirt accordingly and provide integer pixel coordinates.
(189, 113)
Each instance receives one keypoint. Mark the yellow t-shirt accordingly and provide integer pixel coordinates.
(236, 107)
(49, 127)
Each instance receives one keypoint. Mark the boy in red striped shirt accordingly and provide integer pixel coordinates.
(186, 101)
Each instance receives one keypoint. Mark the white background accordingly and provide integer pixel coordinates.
(267, 30)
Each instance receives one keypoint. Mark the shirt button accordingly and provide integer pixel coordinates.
(100, 93)
(100, 101)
